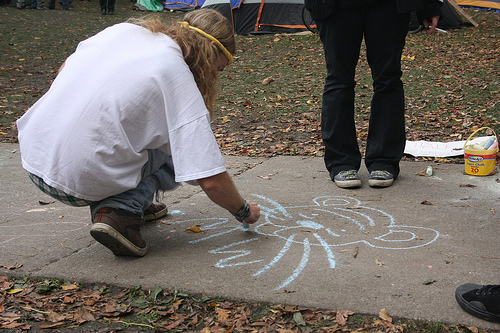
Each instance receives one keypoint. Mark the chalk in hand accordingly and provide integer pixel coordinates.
(245, 225)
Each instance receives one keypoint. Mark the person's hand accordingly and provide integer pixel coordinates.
(254, 213)
(431, 24)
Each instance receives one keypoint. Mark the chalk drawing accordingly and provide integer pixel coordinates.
(328, 223)
(34, 230)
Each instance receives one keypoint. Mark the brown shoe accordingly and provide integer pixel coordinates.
(155, 211)
(119, 231)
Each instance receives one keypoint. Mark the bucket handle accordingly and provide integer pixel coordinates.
(472, 135)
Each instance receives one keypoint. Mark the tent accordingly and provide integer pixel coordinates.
(161, 5)
(450, 18)
(148, 5)
(182, 5)
(261, 16)
(484, 4)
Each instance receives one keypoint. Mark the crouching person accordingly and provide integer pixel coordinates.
(127, 116)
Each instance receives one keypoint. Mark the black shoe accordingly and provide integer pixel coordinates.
(111, 12)
(480, 301)
(103, 12)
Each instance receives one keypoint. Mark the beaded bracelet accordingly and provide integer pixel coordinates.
(244, 211)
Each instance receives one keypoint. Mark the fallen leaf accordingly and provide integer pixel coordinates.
(384, 315)
(473, 329)
(52, 325)
(430, 281)
(297, 318)
(426, 202)
(194, 229)
(69, 300)
(340, 318)
(356, 251)
(12, 267)
(467, 122)
(286, 291)
(267, 80)
(14, 291)
(69, 287)
(45, 202)
(378, 262)
(222, 315)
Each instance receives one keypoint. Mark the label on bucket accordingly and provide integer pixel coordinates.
(480, 165)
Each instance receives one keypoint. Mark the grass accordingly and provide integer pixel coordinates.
(270, 99)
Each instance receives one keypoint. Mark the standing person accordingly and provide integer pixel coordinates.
(65, 4)
(342, 24)
(139, 124)
(107, 7)
(37, 4)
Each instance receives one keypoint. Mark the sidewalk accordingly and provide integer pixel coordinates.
(404, 248)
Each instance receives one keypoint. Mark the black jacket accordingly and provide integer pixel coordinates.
(321, 9)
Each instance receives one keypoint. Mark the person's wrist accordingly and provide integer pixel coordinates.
(244, 211)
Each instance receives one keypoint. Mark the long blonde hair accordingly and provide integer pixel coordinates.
(198, 51)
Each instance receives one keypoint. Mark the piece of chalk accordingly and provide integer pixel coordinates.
(428, 171)
(489, 143)
(246, 225)
(477, 147)
(494, 145)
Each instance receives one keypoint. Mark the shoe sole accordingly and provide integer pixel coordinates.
(380, 182)
(348, 183)
(156, 216)
(116, 242)
(472, 310)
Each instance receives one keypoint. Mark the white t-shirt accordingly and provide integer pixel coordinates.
(123, 91)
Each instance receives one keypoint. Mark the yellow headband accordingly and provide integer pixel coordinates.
(228, 54)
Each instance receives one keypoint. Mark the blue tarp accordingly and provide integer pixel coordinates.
(183, 4)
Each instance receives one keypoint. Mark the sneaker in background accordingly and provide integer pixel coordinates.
(347, 179)
(480, 301)
(380, 178)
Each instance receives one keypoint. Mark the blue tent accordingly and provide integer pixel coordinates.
(261, 16)
(183, 4)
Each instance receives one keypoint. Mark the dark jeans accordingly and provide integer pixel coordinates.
(384, 31)
(156, 175)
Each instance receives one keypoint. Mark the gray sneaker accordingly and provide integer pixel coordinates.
(347, 179)
(380, 178)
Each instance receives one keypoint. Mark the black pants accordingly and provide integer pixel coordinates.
(108, 4)
(384, 31)
(64, 3)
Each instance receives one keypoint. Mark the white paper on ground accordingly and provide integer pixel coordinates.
(438, 149)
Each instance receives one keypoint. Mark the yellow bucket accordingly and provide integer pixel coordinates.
(480, 162)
